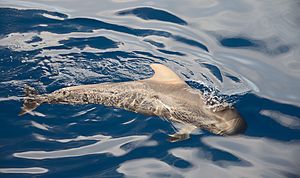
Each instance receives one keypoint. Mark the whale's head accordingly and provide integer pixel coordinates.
(227, 122)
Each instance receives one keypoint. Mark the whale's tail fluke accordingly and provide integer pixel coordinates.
(31, 100)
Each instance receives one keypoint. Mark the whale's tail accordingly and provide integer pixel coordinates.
(31, 100)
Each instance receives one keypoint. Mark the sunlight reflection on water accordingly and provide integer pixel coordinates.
(243, 50)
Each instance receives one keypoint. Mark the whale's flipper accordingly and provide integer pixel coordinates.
(165, 75)
(183, 133)
(31, 100)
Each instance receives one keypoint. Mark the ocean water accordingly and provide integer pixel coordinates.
(243, 51)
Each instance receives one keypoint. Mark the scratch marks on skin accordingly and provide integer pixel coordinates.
(144, 100)
(164, 94)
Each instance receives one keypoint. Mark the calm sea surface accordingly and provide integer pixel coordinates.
(243, 51)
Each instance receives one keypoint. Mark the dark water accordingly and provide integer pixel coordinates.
(244, 52)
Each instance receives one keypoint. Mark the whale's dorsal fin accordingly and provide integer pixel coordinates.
(164, 74)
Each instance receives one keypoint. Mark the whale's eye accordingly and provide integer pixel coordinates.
(155, 96)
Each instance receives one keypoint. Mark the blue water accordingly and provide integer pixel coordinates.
(243, 52)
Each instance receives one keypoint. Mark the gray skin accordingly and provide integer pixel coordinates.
(164, 95)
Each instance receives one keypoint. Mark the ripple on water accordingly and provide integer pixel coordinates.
(244, 52)
(105, 145)
(31, 170)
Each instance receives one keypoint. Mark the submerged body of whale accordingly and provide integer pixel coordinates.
(165, 95)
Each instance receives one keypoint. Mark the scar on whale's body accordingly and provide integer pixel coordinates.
(165, 95)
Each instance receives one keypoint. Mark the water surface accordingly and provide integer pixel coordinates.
(245, 52)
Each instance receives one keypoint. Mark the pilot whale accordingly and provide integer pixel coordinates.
(165, 95)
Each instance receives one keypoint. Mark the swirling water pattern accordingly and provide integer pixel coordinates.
(245, 52)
